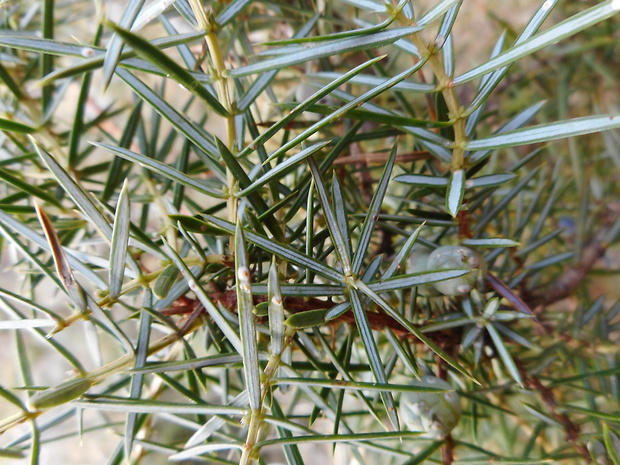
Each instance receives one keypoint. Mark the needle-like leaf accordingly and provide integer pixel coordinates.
(375, 206)
(132, 9)
(343, 110)
(155, 56)
(280, 250)
(566, 28)
(15, 126)
(295, 54)
(504, 354)
(342, 248)
(120, 241)
(546, 132)
(161, 168)
(247, 325)
(303, 106)
(82, 199)
(75, 291)
(282, 168)
(372, 353)
(411, 328)
(455, 192)
(179, 121)
(208, 304)
(276, 311)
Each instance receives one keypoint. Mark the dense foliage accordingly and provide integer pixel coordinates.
(234, 231)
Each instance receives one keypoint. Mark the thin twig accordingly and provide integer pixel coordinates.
(378, 321)
(565, 284)
(447, 450)
(571, 430)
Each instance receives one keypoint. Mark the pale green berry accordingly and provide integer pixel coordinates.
(418, 263)
(434, 413)
(456, 256)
